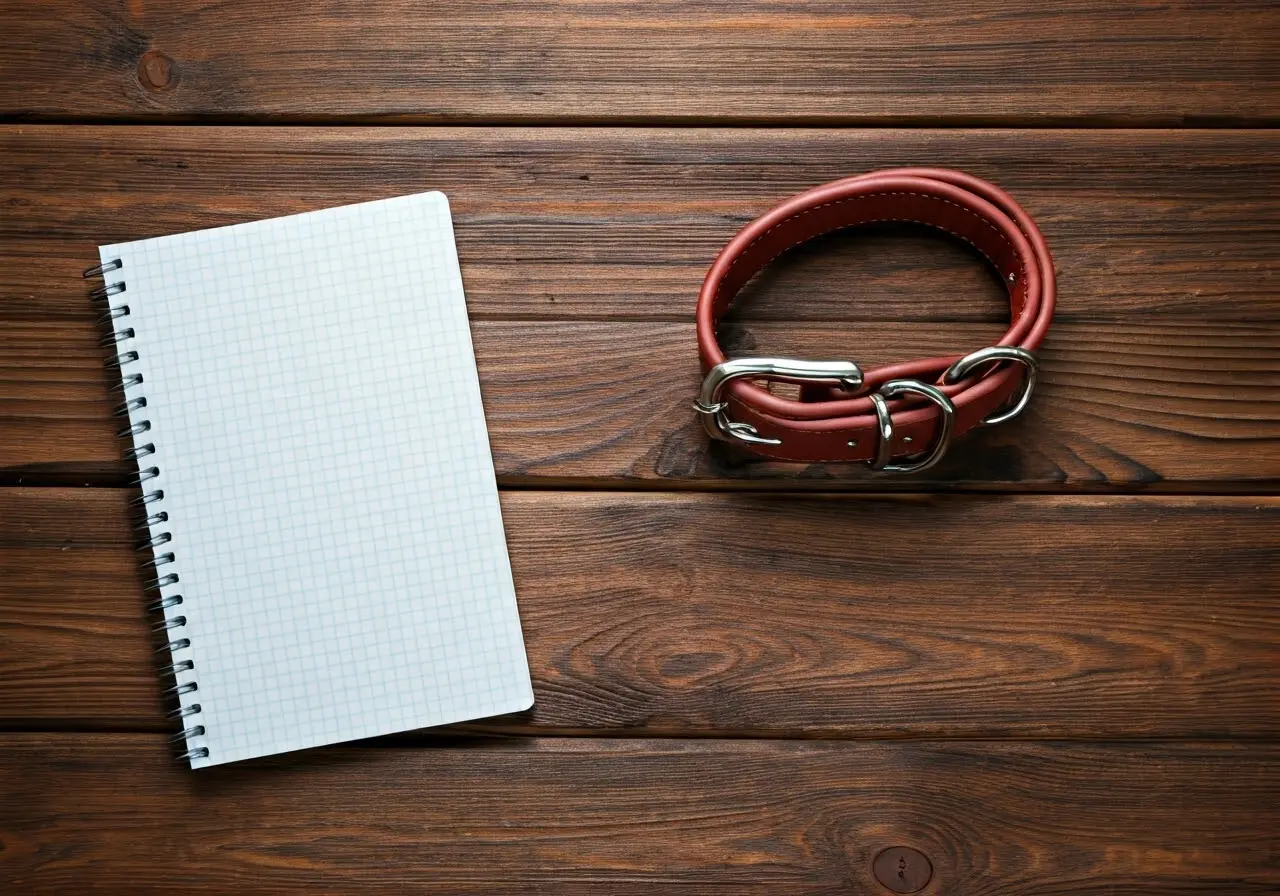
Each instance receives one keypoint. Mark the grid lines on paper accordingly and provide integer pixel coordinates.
(326, 468)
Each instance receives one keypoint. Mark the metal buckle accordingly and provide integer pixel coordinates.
(715, 418)
(966, 365)
(946, 423)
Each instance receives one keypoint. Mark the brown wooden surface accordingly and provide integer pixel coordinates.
(1097, 616)
(1174, 230)
(745, 681)
(468, 60)
(621, 223)
(643, 816)
(1152, 405)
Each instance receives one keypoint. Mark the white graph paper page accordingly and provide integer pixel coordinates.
(321, 446)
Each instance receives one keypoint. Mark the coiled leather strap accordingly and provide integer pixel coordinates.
(838, 418)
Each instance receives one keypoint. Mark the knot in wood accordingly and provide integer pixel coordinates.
(156, 71)
(902, 869)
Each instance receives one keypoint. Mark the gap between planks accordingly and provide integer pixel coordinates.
(1145, 122)
(467, 734)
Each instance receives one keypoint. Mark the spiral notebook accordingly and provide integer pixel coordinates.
(318, 499)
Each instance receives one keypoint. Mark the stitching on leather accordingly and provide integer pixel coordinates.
(1022, 268)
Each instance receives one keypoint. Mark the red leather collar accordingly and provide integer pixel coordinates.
(908, 410)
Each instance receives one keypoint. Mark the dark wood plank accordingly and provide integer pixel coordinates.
(506, 61)
(622, 224)
(1120, 406)
(767, 615)
(566, 225)
(113, 812)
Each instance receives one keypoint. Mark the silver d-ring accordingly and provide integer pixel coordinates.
(946, 423)
(966, 365)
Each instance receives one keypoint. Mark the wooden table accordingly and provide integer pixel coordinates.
(1050, 664)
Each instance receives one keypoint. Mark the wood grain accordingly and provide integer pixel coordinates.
(739, 689)
(505, 62)
(580, 226)
(1119, 406)
(768, 615)
(113, 812)
(621, 224)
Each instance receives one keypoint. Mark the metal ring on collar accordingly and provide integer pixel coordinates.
(966, 365)
(946, 423)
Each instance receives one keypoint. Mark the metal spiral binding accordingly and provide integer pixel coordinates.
(170, 626)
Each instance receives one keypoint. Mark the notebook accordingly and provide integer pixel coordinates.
(321, 513)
